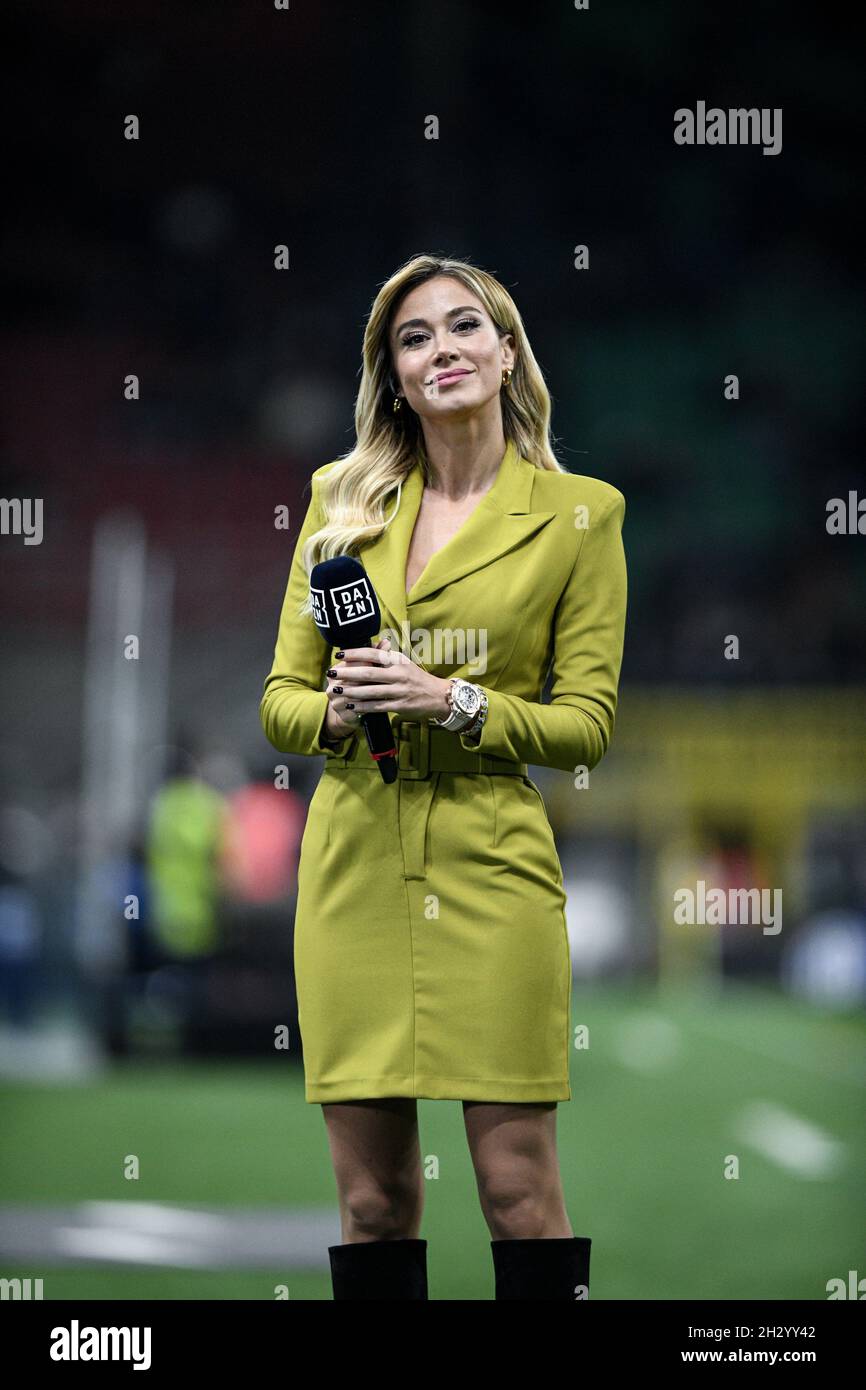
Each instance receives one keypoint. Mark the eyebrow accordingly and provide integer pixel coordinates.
(422, 323)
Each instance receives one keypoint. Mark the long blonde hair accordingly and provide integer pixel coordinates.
(354, 492)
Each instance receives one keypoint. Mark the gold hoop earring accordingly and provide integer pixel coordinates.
(506, 376)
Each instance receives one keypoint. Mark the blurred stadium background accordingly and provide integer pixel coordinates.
(149, 1031)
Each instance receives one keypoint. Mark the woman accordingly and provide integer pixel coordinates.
(431, 953)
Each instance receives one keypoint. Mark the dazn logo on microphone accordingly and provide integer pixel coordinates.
(352, 602)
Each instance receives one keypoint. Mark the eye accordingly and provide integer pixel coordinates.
(408, 340)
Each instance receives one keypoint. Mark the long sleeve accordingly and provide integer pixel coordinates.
(295, 703)
(575, 728)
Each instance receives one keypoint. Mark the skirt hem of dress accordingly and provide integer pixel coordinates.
(437, 1088)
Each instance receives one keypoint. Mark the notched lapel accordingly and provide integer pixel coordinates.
(482, 538)
(501, 521)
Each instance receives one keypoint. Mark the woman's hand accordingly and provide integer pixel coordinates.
(378, 680)
(335, 729)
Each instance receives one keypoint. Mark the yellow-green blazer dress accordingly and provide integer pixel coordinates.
(431, 953)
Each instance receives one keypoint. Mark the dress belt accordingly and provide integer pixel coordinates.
(423, 748)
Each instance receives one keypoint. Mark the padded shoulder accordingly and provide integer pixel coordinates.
(554, 491)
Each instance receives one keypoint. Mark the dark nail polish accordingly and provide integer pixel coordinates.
(332, 670)
(338, 690)
(340, 654)
(350, 704)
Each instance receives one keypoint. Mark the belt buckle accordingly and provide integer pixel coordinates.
(413, 749)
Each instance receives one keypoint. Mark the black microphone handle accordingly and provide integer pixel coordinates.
(380, 741)
(380, 735)
(377, 727)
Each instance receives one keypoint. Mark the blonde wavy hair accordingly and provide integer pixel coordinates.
(354, 493)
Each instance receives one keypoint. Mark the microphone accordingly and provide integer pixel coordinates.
(346, 612)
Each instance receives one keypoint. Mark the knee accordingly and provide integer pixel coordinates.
(380, 1211)
(514, 1209)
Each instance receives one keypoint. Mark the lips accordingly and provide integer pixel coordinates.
(453, 375)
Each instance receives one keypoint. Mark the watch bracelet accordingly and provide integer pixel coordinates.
(480, 719)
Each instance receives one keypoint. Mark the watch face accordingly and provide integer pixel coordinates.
(467, 699)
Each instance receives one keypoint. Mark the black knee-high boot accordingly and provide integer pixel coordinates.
(379, 1269)
(549, 1267)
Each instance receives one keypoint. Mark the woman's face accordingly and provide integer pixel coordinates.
(438, 328)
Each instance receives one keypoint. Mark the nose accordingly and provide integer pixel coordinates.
(443, 350)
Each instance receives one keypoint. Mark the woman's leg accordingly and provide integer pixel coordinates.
(376, 1156)
(535, 1253)
(513, 1150)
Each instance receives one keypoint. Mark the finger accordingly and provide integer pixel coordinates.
(364, 696)
(367, 660)
(340, 704)
(384, 706)
(355, 654)
(375, 656)
(359, 676)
